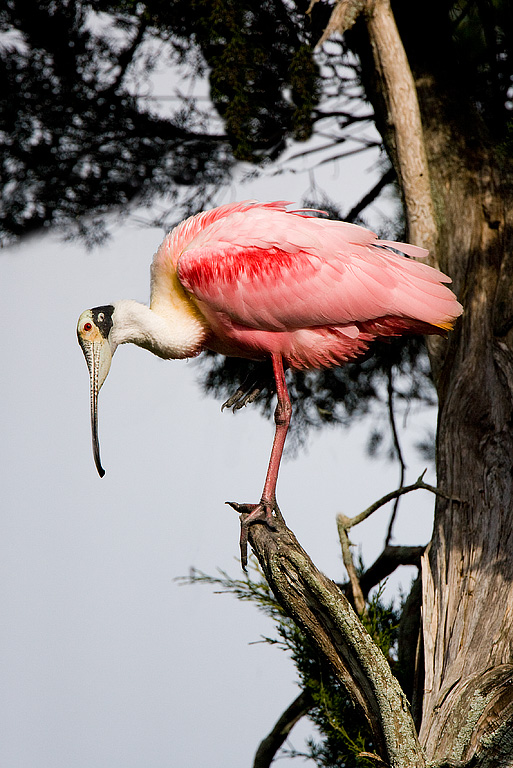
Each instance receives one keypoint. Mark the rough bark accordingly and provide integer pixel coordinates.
(320, 608)
(404, 122)
(458, 196)
(468, 569)
(468, 572)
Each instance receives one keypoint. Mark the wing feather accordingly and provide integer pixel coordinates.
(271, 269)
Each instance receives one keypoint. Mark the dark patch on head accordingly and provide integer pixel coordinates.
(102, 317)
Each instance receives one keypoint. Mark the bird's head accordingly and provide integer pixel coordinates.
(94, 336)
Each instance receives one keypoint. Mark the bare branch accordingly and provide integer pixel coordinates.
(366, 144)
(343, 17)
(270, 745)
(387, 562)
(404, 116)
(397, 446)
(349, 117)
(125, 58)
(348, 522)
(345, 544)
(320, 609)
(403, 113)
(371, 195)
(375, 758)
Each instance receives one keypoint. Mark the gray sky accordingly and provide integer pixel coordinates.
(105, 661)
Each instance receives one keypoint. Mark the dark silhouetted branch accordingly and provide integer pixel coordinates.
(371, 195)
(387, 562)
(273, 741)
(399, 453)
(349, 522)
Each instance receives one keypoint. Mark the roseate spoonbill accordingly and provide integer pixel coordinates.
(257, 280)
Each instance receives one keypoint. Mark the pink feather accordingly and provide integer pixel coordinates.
(316, 291)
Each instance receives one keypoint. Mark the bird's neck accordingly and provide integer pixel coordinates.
(174, 330)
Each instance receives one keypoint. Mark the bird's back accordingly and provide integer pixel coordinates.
(312, 289)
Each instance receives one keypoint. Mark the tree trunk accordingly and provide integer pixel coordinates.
(467, 702)
(468, 571)
(468, 568)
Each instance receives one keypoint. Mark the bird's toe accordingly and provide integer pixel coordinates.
(250, 514)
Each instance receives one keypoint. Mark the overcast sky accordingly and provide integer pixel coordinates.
(105, 660)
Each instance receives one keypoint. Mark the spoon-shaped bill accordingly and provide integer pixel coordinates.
(94, 425)
(98, 357)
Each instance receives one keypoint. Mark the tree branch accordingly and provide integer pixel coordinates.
(343, 17)
(125, 58)
(387, 562)
(397, 446)
(347, 557)
(349, 522)
(400, 96)
(270, 745)
(378, 762)
(403, 113)
(321, 610)
(478, 710)
(367, 199)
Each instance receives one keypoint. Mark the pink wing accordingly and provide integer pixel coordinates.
(275, 270)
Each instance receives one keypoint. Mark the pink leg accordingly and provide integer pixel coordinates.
(282, 416)
(264, 510)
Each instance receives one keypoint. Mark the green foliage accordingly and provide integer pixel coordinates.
(343, 734)
(304, 81)
(262, 75)
(75, 136)
(482, 34)
(79, 135)
(505, 147)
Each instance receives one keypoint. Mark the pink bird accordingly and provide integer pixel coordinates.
(256, 280)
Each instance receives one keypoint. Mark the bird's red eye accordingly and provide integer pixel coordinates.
(87, 326)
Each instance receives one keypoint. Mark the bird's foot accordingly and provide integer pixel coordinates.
(250, 514)
(259, 379)
(242, 397)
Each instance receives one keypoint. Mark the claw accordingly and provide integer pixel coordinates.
(242, 397)
(233, 400)
(241, 509)
(254, 513)
(259, 378)
(250, 396)
(243, 547)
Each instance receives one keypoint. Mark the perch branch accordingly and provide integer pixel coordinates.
(319, 608)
